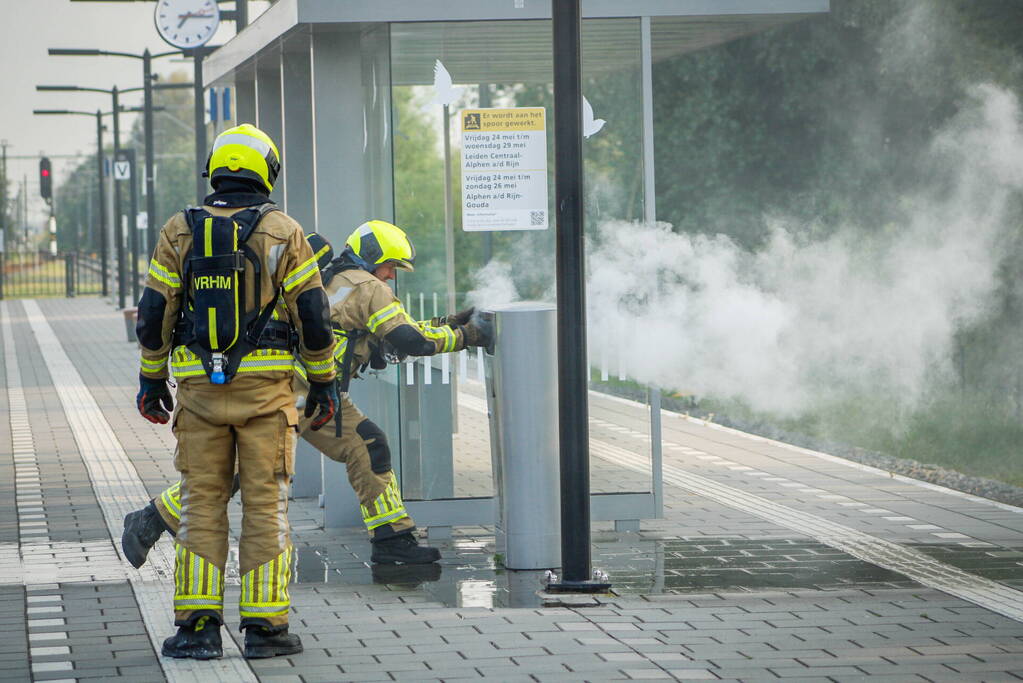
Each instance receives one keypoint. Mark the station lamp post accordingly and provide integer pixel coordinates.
(147, 115)
(3, 211)
(98, 114)
(115, 93)
(240, 16)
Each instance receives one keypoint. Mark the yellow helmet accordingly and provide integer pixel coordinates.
(244, 152)
(379, 242)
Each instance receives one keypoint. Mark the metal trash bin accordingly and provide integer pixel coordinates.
(131, 318)
(522, 399)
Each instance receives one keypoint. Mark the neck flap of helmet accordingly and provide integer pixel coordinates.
(236, 192)
(349, 260)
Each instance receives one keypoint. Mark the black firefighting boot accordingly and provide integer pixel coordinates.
(198, 639)
(263, 640)
(402, 548)
(142, 529)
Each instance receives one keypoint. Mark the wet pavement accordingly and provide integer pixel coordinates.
(469, 575)
(769, 562)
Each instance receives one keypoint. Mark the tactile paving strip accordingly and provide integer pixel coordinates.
(119, 491)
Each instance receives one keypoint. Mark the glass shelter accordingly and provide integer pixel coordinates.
(358, 96)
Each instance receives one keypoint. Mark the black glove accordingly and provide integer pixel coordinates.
(322, 395)
(454, 319)
(376, 357)
(153, 392)
(478, 334)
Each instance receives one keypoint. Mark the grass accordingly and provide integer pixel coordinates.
(968, 436)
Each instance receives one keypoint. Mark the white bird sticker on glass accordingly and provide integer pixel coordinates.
(444, 92)
(590, 126)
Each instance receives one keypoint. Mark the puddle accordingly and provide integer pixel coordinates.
(994, 562)
(467, 576)
(461, 585)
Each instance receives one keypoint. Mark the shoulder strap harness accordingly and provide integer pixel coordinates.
(217, 326)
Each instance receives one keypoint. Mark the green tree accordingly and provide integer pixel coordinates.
(827, 120)
(419, 187)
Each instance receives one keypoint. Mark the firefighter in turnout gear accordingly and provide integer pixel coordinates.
(362, 446)
(216, 280)
(373, 328)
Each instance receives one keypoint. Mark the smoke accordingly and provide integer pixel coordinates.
(493, 285)
(805, 321)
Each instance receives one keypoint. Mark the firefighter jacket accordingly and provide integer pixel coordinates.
(290, 274)
(361, 303)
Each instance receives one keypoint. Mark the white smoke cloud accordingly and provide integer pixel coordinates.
(493, 285)
(801, 322)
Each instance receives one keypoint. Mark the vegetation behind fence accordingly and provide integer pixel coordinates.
(41, 274)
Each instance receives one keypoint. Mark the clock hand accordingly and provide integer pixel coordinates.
(189, 15)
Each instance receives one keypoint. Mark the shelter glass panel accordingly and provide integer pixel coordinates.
(509, 65)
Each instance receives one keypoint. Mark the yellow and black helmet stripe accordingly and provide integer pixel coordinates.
(378, 242)
(245, 152)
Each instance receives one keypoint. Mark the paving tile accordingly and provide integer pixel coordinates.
(694, 674)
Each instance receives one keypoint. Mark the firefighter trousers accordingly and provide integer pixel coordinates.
(364, 451)
(249, 425)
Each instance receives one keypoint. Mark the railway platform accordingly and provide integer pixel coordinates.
(771, 561)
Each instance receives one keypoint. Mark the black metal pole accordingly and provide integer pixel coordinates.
(118, 225)
(573, 411)
(147, 83)
(200, 128)
(103, 249)
(3, 215)
(241, 14)
(133, 241)
(69, 274)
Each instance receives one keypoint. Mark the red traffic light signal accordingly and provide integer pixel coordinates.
(45, 179)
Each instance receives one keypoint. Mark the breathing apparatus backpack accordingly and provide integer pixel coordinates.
(217, 325)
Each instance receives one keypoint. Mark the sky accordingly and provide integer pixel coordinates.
(31, 27)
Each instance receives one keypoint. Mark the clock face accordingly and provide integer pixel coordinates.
(187, 23)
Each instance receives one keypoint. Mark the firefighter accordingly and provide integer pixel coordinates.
(143, 528)
(214, 282)
(392, 531)
(373, 328)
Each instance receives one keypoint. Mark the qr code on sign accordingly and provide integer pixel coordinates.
(537, 217)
